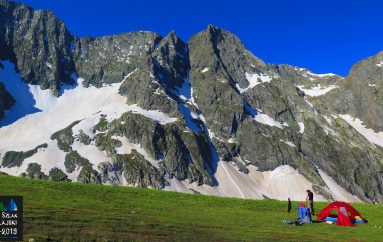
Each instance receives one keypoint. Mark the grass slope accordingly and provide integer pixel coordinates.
(80, 212)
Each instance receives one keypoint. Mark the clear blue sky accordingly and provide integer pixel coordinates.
(322, 35)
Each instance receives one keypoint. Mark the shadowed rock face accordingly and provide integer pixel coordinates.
(37, 43)
(227, 103)
(6, 100)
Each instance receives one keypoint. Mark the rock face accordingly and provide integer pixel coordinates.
(6, 100)
(360, 95)
(38, 43)
(182, 155)
(191, 107)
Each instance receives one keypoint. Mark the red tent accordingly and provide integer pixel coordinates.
(345, 213)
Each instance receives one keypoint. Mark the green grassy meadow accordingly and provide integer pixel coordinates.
(80, 212)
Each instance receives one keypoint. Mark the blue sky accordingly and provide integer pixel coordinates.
(322, 35)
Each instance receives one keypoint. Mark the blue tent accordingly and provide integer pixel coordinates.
(304, 215)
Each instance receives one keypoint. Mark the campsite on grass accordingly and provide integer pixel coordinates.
(70, 211)
(339, 213)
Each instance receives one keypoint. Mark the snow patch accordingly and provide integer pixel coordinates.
(380, 64)
(90, 152)
(288, 143)
(322, 75)
(338, 192)
(156, 115)
(311, 105)
(57, 113)
(328, 130)
(281, 183)
(317, 90)
(260, 117)
(266, 119)
(369, 134)
(327, 118)
(254, 79)
(301, 127)
(205, 70)
(309, 73)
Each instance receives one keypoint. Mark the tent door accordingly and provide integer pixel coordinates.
(343, 210)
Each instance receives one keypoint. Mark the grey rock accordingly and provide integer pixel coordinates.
(34, 171)
(84, 138)
(140, 172)
(57, 175)
(183, 154)
(89, 175)
(74, 160)
(65, 137)
(27, 34)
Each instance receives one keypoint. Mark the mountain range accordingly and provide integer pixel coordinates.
(203, 116)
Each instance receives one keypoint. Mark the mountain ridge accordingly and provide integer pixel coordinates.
(206, 111)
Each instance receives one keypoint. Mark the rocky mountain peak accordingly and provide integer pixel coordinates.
(203, 116)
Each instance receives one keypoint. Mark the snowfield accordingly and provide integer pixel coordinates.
(282, 183)
(54, 113)
(38, 114)
(35, 124)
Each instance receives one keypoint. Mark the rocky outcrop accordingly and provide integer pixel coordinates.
(89, 175)
(64, 137)
(73, 160)
(214, 90)
(183, 155)
(139, 172)
(34, 172)
(57, 175)
(16, 158)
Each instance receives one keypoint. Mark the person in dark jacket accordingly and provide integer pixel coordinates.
(310, 201)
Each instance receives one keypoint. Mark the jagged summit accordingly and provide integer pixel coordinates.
(204, 116)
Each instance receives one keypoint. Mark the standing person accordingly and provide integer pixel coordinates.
(310, 201)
